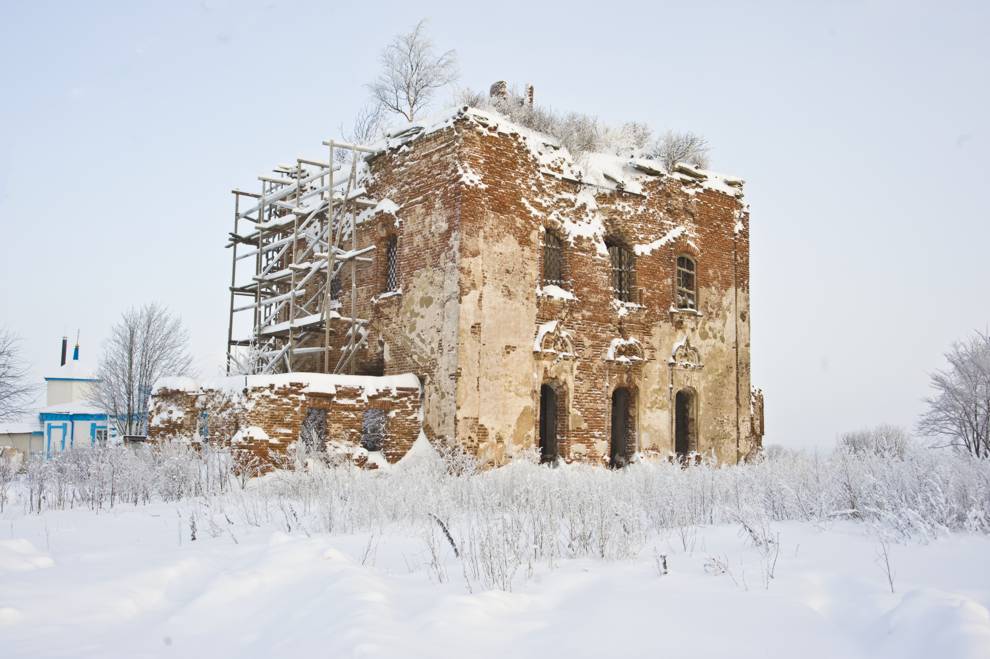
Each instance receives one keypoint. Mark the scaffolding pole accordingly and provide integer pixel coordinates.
(297, 231)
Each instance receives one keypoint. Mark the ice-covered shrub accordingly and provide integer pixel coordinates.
(506, 521)
(581, 133)
(885, 440)
(686, 147)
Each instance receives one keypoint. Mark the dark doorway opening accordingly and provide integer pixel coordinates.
(684, 423)
(622, 428)
(548, 424)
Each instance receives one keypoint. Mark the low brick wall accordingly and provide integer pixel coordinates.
(262, 416)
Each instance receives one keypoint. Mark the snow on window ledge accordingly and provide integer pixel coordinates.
(386, 296)
(625, 308)
(554, 291)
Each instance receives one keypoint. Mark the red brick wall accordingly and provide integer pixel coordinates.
(501, 264)
(473, 210)
(278, 410)
(414, 331)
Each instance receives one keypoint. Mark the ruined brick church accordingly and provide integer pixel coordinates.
(499, 294)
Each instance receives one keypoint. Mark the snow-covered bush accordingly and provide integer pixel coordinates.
(502, 523)
(106, 476)
(884, 439)
(673, 147)
(581, 134)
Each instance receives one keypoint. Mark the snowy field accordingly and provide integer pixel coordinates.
(781, 559)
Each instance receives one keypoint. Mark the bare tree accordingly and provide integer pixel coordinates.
(689, 147)
(245, 361)
(145, 345)
(15, 391)
(412, 73)
(959, 412)
(368, 126)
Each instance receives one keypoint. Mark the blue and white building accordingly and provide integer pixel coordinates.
(68, 420)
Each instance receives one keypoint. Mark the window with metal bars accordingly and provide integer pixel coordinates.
(335, 288)
(553, 259)
(392, 264)
(687, 289)
(623, 270)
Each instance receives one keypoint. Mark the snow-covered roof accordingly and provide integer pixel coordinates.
(72, 407)
(577, 212)
(73, 369)
(20, 427)
(312, 382)
(604, 170)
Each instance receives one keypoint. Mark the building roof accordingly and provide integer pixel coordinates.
(597, 172)
(73, 369)
(20, 427)
(72, 407)
(311, 382)
(607, 171)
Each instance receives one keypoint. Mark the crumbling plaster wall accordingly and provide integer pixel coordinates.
(506, 209)
(473, 206)
(414, 329)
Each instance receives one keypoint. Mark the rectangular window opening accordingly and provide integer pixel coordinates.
(392, 264)
(373, 424)
(687, 295)
(553, 260)
(313, 433)
(623, 271)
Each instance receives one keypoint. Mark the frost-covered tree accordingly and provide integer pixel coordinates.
(581, 134)
(688, 147)
(245, 361)
(885, 439)
(7, 473)
(632, 137)
(959, 411)
(412, 73)
(146, 344)
(578, 133)
(313, 432)
(15, 391)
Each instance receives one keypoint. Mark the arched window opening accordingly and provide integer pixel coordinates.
(623, 435)
(553, 259)
(685, 423)
(549, 442)
(687, 284)
(623, 269)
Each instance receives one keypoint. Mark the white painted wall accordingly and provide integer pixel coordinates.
(22, 441)
(67, 391)
(76, 435)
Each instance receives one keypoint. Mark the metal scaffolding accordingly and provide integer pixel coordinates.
(301, 235)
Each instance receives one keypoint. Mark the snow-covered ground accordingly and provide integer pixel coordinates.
(274, 572)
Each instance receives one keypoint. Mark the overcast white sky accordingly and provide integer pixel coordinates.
(860, 127)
